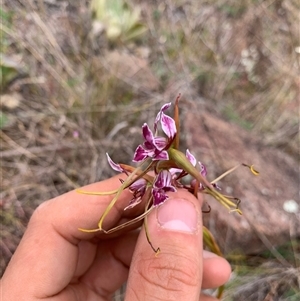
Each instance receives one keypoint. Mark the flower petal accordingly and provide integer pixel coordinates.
(140, 154)
(114, 165)
(203, 169)
(168, 125)
(133, 203)
(175, 171)
(158, 197)
(147, 133)
(163, 179)
(138, 185)
(158, 116)
(163, 155)
(160, 143)
(190, 157)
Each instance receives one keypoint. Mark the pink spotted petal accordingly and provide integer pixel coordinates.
(138, 185)
(162, 156)
(163, 180)
(168, 126)
(141, 154)
(160, 143)
(203, 169)
(175, 171)
(158, 197)
(114, 165)
(190, 157)
(158, 116)
(133, 203)
(147, 133)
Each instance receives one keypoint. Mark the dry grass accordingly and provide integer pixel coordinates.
(268, 282)
(273, 275)
(75, 105)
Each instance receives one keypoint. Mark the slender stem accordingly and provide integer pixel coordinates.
(225, 173)
(157, 250)
(135, 220)
(255, 172)
(124, 185)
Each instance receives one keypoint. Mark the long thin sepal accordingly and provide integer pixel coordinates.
(96, 192)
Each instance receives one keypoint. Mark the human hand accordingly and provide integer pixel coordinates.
(55, 261)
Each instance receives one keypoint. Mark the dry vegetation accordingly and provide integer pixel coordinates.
(66, 99)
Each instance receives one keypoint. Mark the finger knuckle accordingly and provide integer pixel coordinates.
(169, 272)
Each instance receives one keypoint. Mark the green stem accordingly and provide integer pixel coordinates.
(182, 162)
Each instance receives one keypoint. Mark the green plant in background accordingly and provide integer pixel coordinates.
(8, 71)
(6, 19)
(3, 120)
(8, 68)
(122, 23)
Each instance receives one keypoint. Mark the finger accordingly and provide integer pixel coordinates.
(48, 253)
(176, 272)
(73, 210)
(111, 265)
(216, 270)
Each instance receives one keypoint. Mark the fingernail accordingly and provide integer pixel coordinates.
(178, 215)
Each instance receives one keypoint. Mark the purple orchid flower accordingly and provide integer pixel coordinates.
(161, 185)
(155, 146)
(138, 188)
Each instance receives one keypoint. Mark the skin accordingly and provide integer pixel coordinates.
(55, 261)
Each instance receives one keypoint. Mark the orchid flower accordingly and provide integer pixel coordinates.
(138, 189)
(162, 184)
(154, 146)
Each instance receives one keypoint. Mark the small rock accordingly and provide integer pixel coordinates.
(291, 206)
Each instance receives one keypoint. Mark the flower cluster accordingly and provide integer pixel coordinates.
(155, 151)
(156, 148)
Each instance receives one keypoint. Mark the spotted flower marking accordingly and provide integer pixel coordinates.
(162, 185)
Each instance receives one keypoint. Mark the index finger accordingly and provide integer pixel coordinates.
(72, 210)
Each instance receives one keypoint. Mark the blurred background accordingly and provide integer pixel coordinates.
(79, 78)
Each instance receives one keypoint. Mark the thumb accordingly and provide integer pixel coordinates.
(176, 272)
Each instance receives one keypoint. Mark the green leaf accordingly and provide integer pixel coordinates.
(3, 120)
